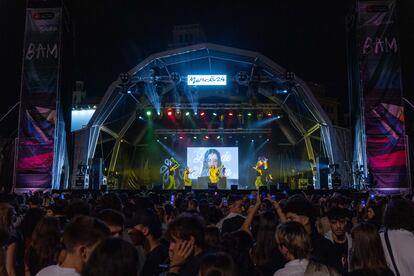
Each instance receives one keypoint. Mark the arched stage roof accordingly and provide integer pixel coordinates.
(156, 79)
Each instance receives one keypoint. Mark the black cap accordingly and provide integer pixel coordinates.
(146, 217)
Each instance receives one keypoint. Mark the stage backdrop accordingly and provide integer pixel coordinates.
(37, 143)
(382, 109)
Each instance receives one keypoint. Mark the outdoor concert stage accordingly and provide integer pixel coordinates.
(207, 105)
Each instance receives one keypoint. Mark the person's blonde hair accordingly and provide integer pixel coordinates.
(294, 237)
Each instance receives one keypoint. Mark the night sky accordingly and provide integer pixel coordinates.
(306, 37)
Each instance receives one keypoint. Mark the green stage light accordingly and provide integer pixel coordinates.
(187, 113)
(249, 114)
(214, 114)
(149, 113)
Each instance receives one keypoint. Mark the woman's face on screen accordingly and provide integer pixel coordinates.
(212, 159)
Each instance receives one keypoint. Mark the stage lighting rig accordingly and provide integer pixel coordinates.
(154, 73)
(175, 77)
(125, 78)
(289, 76)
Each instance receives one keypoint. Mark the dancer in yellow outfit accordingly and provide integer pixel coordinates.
(260, 168)
(214, 175)
(174, 165)
(187, 179)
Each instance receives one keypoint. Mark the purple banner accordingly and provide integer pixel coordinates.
(39, 90)
(379, 57)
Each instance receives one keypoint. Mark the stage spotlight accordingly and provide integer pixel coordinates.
(259, 116)
(175, 77)
(268, 140)
(195, 113)
(218, 137)
(289, 75)
(124, 77)
(165, 137)
(214, 114)
(252, 140)
(222, 117)
(249, 114)
(187, 114)
(281, 91)
(269, 114)
(231, 114)
(206, 137)
(242, 78)
(149, 113)
(158, 140)
(195, 137)
(202, 113)
(181, 137)
(169, 113)
(140, 117)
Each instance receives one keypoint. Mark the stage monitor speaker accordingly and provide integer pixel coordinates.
(96, 173)
(104, 188)
(233, 188)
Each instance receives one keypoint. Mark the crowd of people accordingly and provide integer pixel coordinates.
(208, 234)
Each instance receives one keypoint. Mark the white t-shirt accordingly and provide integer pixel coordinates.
(402, 244)
(57, 270)
(293, 268)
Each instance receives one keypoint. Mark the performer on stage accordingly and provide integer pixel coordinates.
(260, 168)
(187, 179)
(174, 165)
(214, 175)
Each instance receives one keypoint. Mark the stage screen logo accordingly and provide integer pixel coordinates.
(206, 80)
(200, 159)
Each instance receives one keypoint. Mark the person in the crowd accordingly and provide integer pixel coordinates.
(338, 220)
(399, 231)
(295, 245)
(57, 210)
(234, 220)
(217, 264)
(212, 237)
(113, 256)
(4, 237)
(33, 215)
(265, 254)
(79, 239)
(186, 236)
(7, 216)
(192, 206)
(374, 214)
(114, 220)
(144, 229)
(239, 244)
(44, 247)
(367, 254)
(299, 209)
